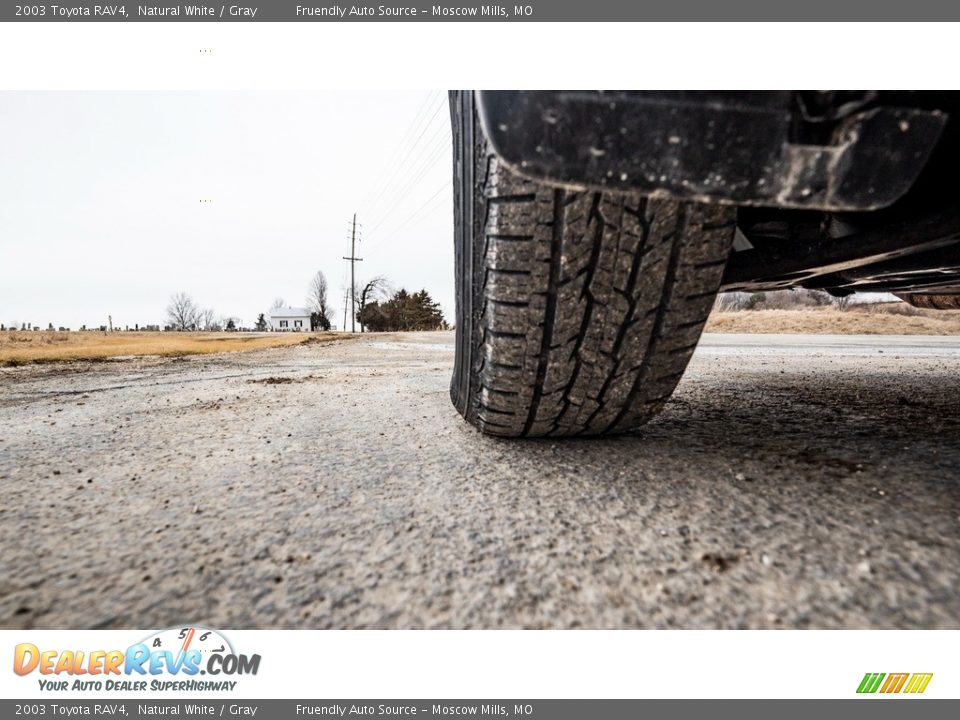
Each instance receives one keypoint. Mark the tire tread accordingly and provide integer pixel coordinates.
(587, 306)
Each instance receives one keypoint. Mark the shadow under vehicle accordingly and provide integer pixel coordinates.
(594, 230)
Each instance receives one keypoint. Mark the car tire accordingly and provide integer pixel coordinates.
(576, 311)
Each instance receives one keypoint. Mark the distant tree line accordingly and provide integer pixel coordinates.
(403, 311)
(378, 309)
(794, 298)
(184, 314)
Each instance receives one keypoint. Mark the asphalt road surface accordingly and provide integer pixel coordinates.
(792, 482)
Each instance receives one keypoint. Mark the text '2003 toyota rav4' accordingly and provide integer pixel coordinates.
(594, 230)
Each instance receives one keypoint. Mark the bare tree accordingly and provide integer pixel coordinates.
(317, 299)
(278, 304)
(728, 302)
(735, 301)
(370, 290)
(182, 312)
(207, 320)
(843, 302)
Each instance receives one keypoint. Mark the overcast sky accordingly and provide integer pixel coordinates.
(101, 212)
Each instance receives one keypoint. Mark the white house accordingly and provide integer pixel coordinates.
(289, 320)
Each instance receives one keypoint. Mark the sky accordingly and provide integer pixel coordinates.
(110, 202)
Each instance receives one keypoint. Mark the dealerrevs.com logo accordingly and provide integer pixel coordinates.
(890, 683)
(169, 660)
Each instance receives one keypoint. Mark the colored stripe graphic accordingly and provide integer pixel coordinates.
(894, 682)
(870, 682)
(918, 682)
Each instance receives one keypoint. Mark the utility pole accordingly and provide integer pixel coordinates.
(345, 292)
(353, 288)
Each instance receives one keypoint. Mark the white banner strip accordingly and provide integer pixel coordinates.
(492, 664)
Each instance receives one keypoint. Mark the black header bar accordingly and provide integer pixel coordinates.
(466, 11)
(852, 709)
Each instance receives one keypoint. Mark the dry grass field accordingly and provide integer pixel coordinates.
(875, 319)
(20, 348)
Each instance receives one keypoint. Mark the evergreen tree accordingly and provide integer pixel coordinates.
(403, 312)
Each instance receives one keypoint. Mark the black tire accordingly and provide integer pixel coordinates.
(577, 312)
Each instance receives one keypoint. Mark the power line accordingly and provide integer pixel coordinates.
(421, 171)
(414, 214)
(403, 160)
(400, 147)
(353, 287)
(346, 290)
(439, 145)
(404, 150)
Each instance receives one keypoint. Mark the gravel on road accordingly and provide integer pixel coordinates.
(791, 482)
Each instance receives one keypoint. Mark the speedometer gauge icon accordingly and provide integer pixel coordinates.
(180, 640)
